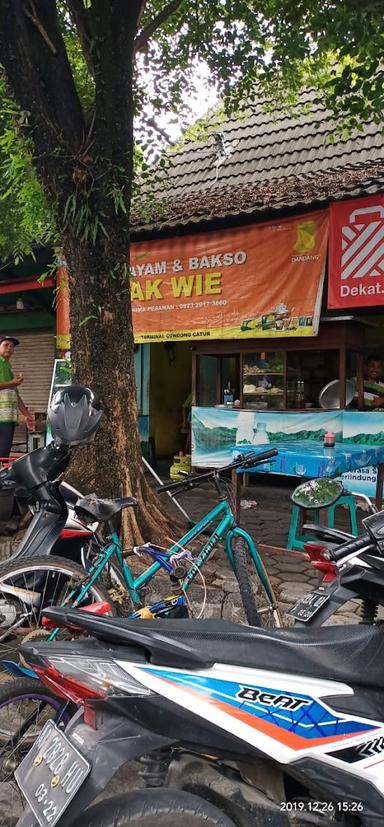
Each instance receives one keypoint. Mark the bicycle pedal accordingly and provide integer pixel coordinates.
(179, 571)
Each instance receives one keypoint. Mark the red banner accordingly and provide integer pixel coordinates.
(356, 253)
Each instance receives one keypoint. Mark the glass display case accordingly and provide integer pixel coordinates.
(263, 380)
(284, 374)
(307, 373)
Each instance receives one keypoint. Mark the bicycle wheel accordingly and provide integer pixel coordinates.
(160, 807)
(260, 607)
(25, 706)
(28, 587)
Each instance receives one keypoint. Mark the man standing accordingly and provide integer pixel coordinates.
(10, 400)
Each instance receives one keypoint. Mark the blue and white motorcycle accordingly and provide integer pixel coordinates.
(236, 726)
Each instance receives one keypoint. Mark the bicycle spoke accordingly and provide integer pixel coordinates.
(25, 707)
(18, 736)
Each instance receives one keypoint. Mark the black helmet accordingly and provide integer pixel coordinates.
(74, 415)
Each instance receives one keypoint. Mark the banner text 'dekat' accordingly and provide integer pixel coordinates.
(356, 253)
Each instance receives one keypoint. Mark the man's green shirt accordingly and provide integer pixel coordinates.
(9, 407)
(372, 390)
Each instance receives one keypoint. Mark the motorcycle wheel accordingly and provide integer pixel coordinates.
(160, 807)
(37, 583)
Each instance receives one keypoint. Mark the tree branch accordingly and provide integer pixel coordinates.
(38, 72)
(149, 30)
(36, 22)
(143, 5)
(114, 27)
(80, 17)
(163, 134)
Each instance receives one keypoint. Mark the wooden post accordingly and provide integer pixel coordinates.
(379, 486)
(342, 375)
(63, 338)
(360, 381)
(194, 377)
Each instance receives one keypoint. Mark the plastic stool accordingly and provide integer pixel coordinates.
(297, 540)
(349, 501)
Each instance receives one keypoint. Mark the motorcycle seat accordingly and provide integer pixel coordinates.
(350, 654)
(102, 510)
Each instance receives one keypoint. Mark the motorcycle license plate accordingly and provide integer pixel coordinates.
(51, 774)
(308, 606)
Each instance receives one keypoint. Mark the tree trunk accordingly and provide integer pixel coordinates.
(103, 358)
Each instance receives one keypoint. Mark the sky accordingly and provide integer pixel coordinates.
(199, 102)
(204, 98)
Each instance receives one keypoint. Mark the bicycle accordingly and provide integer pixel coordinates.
(28, 588)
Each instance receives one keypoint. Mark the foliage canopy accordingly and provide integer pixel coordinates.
(251, 47)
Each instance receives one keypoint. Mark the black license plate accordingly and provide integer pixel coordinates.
(51, 774)
(308, 606)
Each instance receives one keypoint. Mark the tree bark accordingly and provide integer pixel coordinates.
(103, 358)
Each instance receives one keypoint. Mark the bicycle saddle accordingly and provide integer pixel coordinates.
(102, 510)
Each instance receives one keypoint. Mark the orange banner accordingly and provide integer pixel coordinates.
(257, 281)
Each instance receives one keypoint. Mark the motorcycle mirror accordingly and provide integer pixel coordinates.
(318, 493)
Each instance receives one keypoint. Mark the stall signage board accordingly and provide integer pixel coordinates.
(363, 428)
(263, 280)
(218, 434)
(356, 253)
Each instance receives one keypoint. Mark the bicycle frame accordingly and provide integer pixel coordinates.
(226, 529)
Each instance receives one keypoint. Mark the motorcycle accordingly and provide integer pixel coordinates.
(243, 726)
(352, 567)
(36, 485)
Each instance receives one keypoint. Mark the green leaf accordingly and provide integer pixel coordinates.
(87, 319)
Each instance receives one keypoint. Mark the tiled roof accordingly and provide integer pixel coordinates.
(261, 162)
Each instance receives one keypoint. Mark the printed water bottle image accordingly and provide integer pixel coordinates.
(260, 435)
(244, 432)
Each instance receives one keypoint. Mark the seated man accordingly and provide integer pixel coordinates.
(373, 384)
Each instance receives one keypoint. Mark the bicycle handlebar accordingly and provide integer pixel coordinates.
(243, 461)
(252, 458)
